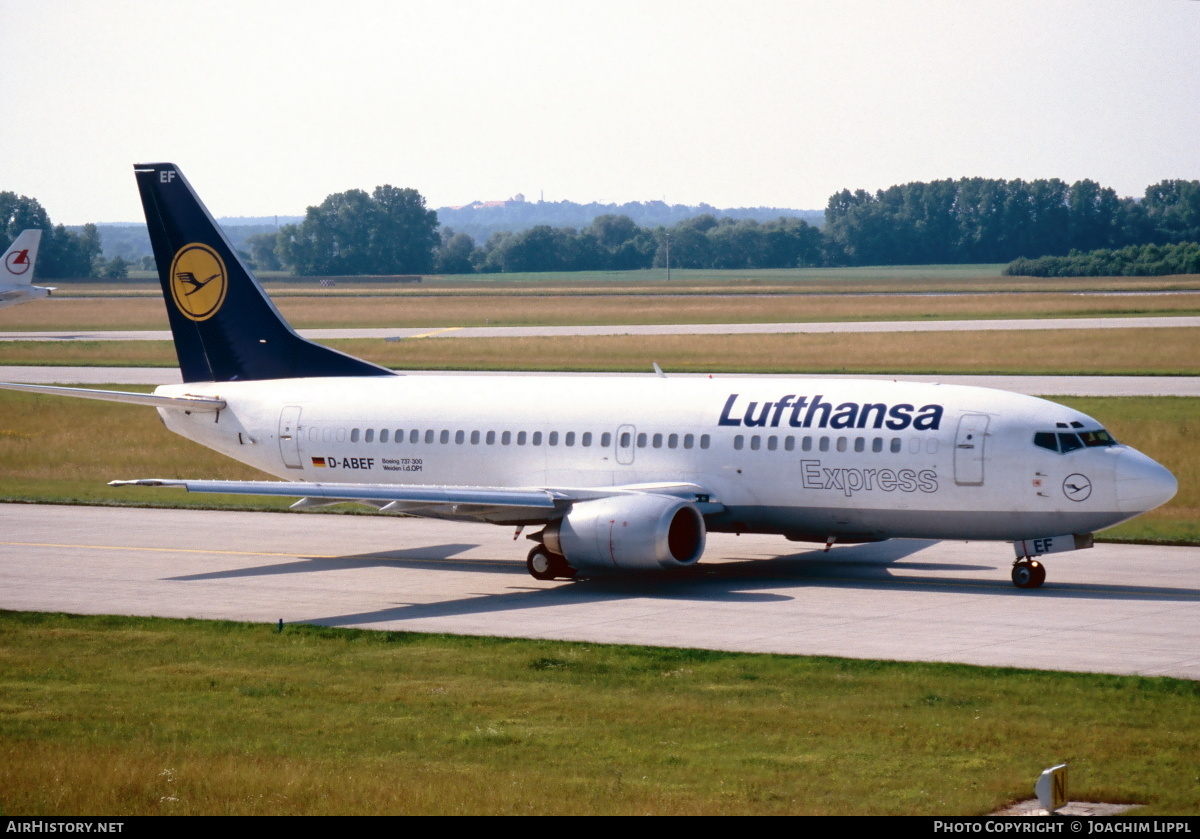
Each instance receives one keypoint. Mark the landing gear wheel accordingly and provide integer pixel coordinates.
(544, 565)
(1028, 573)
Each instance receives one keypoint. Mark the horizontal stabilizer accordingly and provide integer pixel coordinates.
(188, 403)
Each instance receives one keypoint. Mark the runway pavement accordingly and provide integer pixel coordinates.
(1116, 609)
(661, 329)
(1032, 385)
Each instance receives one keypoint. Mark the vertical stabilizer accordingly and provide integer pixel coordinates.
(225, 327)
(20, 258)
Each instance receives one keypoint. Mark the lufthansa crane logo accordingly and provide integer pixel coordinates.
(18, 262)
(198, 281)
(1077, 487)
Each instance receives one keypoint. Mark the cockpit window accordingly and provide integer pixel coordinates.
(1067, 441)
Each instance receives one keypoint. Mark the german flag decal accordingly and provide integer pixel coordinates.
(318, 461)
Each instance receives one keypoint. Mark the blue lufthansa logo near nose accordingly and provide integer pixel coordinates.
(1077, 487)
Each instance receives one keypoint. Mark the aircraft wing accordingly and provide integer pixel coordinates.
(492, 504)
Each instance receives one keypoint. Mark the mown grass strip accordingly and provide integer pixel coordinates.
(131, 716)
(1066, 352)
(1143, 352)
(556, 306)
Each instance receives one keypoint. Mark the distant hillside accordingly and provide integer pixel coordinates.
(131, 242)
(481, 219)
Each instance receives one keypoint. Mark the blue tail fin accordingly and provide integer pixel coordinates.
(225, 327)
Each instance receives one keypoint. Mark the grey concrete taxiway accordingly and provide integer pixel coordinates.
(1114, 609)
(397, 334)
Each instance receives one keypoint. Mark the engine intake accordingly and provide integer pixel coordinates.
(629, 532)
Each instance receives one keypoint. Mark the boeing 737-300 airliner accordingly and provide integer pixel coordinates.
(617, 473)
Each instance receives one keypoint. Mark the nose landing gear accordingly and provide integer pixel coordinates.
(1028, 573)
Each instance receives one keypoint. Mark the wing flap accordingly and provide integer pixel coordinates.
(416, 495)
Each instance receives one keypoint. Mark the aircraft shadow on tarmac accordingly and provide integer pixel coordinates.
(734, 580)
(439, 555)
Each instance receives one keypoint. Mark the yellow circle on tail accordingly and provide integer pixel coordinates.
(198, 281)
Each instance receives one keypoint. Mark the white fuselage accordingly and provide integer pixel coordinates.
(806, 458)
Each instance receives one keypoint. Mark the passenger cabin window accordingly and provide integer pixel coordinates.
(704, 441)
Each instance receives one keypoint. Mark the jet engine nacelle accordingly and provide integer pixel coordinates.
(629, 533)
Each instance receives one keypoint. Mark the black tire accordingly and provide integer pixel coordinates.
(1028, 574)
(540, 564)
(1039, 573)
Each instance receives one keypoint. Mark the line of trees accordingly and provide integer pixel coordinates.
(985, 220)
(970, 220)
(1130, 261)
(62, 253)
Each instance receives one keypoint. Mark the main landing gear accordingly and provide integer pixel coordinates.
(545, 565)
(1028, 573)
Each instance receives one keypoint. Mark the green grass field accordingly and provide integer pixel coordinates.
(343, 308)
(1140, 352)
(133, 716)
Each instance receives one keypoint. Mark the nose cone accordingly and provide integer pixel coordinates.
(1142, 483)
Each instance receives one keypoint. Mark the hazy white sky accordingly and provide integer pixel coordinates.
(268, 107)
